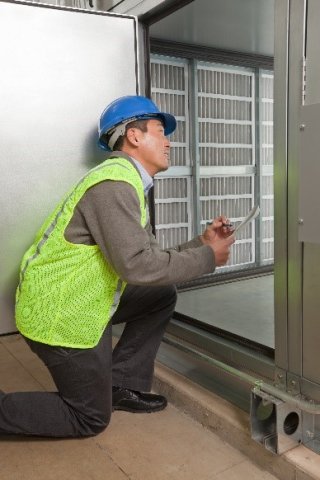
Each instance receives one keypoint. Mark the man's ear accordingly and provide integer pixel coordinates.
(133, 136)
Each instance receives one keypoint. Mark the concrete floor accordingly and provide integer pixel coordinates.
(159, 446)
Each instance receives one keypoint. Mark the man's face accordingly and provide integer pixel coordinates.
(154, 146)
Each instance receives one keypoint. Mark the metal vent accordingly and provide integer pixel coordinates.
(169, 82)
(169, 86)
(224, 154)
(215, 156)
(266, 159)
(226, 139)
(172, 211)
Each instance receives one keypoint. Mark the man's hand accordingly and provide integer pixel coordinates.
(218, 235)
(221, 249)
(219, 228)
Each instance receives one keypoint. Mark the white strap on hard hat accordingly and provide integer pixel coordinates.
(119, 131)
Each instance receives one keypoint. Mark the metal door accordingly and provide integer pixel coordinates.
(59, 69)
(309, 174)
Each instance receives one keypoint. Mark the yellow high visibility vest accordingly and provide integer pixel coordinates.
(68, 292)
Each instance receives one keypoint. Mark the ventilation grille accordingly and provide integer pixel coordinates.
(169, 86)
(226, 150)
(172, 211)
(266, 154)
(226, 139)
(215, 156)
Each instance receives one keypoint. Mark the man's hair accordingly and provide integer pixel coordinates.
(140, 124)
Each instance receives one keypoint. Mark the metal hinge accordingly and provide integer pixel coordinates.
(304, 79)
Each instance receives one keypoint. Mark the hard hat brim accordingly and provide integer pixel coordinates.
(170, 123)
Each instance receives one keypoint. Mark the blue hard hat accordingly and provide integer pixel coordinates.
(128, 109)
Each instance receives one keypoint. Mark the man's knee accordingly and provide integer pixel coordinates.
(92, 426)
(170, 294)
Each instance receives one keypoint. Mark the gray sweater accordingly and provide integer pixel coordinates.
(108, 215)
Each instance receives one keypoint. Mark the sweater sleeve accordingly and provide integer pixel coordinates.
(110, 212)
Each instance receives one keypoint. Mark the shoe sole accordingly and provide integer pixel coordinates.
(132, 410)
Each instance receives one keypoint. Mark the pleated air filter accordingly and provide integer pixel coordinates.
(234, 155)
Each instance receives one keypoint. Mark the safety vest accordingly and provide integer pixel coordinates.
(68, 292)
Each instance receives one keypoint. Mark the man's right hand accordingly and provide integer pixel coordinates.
(221, 248)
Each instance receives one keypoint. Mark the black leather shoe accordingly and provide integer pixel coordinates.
(136, 402)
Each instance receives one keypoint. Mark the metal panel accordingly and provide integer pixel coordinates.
(312, 58)
(56, 78)
(245, 26)
(309, 152)
(309, 225)
(311, 309)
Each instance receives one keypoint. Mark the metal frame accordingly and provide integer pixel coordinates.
(288, 252)
(280, 192)
(173, 49)
(295, 273)
(219, 171)
(210, 54)
(195, 149)
(257, 183)
(232, 390)
(150, 11)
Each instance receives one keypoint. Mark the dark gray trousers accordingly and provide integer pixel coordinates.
(82, 405)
